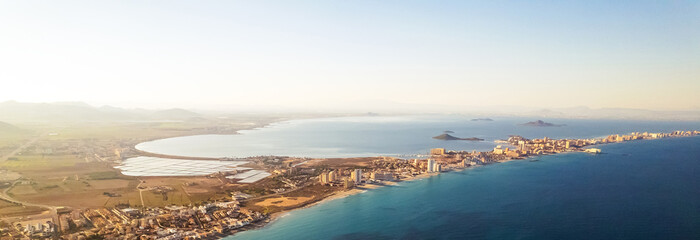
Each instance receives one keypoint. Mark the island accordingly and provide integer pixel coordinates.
(448, 137)
(540, 123)
(482, 119)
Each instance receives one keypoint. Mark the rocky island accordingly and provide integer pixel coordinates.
(482, 119)
(446, 137)
(540, 123)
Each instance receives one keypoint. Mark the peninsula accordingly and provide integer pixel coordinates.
(238, 205)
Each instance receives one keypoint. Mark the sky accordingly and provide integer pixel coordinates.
(335, 54)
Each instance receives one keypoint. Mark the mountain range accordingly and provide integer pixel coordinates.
(11, 111)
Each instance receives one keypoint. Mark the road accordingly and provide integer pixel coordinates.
(141, 193)
(20, 148)
(6, 197)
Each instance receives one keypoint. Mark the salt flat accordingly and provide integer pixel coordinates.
(154, 166)
(250, 176)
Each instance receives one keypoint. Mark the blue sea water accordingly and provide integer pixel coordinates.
(635, 190)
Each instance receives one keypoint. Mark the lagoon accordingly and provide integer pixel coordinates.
(387, 136)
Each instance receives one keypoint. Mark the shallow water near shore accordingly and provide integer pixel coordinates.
(636, 190)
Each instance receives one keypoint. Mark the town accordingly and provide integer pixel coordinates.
(393, 169)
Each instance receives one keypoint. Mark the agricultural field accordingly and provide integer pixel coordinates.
(8, 209)
(71, 164)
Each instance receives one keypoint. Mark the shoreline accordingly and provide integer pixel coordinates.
(267, 125)
(342, 194)
(140, 152)
(254, 216)
(339, 195)
(266, 221)
(256, 126)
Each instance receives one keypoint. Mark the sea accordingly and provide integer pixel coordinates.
(645, 189)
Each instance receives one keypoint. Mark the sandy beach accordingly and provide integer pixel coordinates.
(342, 194)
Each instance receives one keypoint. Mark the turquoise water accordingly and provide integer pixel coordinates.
(373, 136)
(636, 190)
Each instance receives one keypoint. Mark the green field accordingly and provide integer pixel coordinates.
(38, 162)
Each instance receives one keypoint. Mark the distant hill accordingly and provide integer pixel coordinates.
(448, 137)
(540, 123)
(12, 111)
(175, 114)
(615, 113)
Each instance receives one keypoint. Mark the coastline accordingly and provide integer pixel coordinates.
(234, 132)
(342, 194)
(339, 195)
(318, 221)
(273, 217)
(255, 126)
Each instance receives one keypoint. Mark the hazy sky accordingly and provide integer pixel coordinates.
(324, 53)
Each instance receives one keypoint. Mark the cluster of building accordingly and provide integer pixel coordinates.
(335, 177)
(38, 230)
(208, 221)
(522, 147)
(545, 145)
(433, 166)
(647, 135)
(391, 169)
(386, 169)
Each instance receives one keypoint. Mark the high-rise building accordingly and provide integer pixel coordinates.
(323, 178)
(349, 183)
(332, 176)
(431, 165)
(437, 151)
(356, 175)
(384, 176)
(498, 150)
